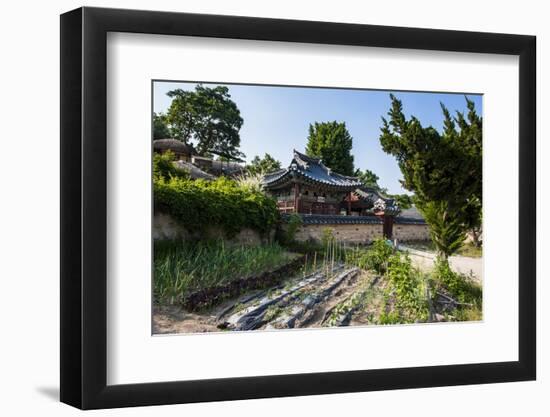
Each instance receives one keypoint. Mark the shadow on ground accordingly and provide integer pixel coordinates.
(50, 392)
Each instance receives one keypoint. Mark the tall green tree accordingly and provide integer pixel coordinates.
(370, 179)
(404, 201)
(367, 177)
(207, 116)
(160, 128)
(263, 165)
(331, 142)
(443, 170)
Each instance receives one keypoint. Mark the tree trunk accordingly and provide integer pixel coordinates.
(476, 237)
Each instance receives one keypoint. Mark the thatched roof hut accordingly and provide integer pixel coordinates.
(180, 149)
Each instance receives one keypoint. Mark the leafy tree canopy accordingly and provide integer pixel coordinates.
(331, 142)
(370, 179)
(160, 128)
(367, 177)
(443, 170)
(207, 116)
(404, 201)
(263, 165)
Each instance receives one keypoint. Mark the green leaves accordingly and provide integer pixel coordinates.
(458, 285)
(163, 167)
(446, 226)
(209, 117)
(408, 289)
(198, 204)
(160, 128)
(368, 178)
(263, 165)
(331, 142)
(443, 170)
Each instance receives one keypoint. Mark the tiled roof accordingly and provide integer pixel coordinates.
(410, 216)
(373, 197)
(313, 170)
(342, 219)
(337, 219)
(408, 220)
(413, 213)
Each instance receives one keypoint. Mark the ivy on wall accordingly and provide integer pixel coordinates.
(197, 204)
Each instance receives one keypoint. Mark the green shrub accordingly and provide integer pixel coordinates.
(391, 317)
(286, 235)
(408, 289)
(309, 246)
(374, 258)
(197, 204)
(461, 288)
(163, 167)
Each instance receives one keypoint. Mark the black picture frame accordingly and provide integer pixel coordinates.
(84, 207)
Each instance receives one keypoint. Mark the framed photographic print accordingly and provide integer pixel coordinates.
(255, 207)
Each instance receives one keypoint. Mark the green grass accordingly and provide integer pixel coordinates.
(181, 268)
(470, 250)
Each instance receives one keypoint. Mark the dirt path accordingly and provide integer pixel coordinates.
(462, 264)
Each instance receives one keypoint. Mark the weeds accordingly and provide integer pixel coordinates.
(374, 258)
(408, 288)
(461, 288)
(181, 268)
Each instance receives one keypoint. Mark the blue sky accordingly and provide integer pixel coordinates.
(276, 119)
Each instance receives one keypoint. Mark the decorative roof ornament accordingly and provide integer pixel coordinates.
(379, 205)
(377, 201)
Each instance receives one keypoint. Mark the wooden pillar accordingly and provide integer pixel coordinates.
(388, 227)
(296, 197)
(349, 203)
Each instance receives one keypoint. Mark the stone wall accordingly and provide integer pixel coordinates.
(166, 228)
(362, 233)
(350, 233)
(410, 232)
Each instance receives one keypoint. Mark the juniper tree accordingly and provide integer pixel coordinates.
(443, 170)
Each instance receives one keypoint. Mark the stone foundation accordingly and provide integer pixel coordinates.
(166, 228)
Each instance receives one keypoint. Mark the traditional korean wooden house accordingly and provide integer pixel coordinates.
(310, 188)
(367, 201)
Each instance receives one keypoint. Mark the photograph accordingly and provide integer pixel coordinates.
(298, 207)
